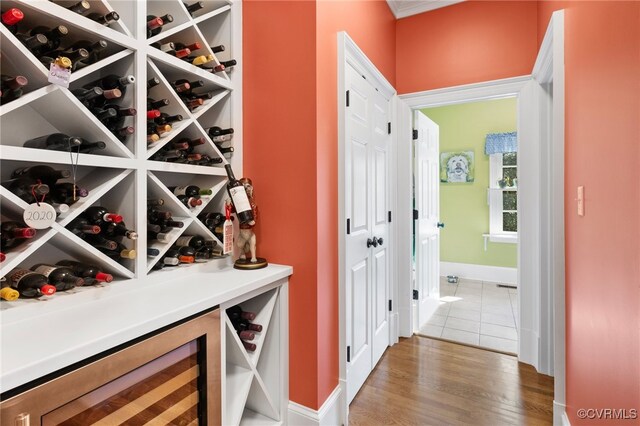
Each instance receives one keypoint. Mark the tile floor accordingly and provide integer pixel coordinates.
(477, 313)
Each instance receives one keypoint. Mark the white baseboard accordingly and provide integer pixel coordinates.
(469, 271)
(560, 414)
(395, 329)
(329, 413)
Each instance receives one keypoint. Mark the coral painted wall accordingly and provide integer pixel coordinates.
(290, 141)
(602, 79)
(465, 43)
(280, 157)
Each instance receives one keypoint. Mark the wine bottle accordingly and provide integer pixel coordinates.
(165, 47)
(86, 96)
(120, 254)
(171, 224)
(161, 237)
(213, 68)
(200, 60)
(243, 324)
(152, 138)
(251, 347)
(171, 258)
(33, 43)
(95, 49)
(46, 174)
(167, 155)
(104, 115)
(217, 49)
(61, 277)
(218, 131)
(192, 47)
(152, 104)
(158, 129)
(194, 103)
(60, 208)
(180, 54)
(81, 227)
(168, 119)
(152, 82)
(27, 189)
(229, 64)
(107, 96)
(113, 81)
(190, 191)
(86, 271)
(227, 152)
(155, 202)
(67, 193)
(12, 234)
(190, 202)
(239, 197)
(29, 283)
(81, 7)
(106, 19)
(235, 312)
(194, 7)
(12, 87)
(186, 254)
(54, 141)
(98, 214)
(100, 242)
(155, 215)
(155, 24)
(11, 18)
(90, 147)
(3, 257)
(194, 241)
(54, 36)
(9, 294)
(152, 252)
(112, 230)
(152, 227)
(211, 219)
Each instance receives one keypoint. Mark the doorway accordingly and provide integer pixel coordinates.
(477, 178)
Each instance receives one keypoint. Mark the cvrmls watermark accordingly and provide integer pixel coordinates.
(607, 413)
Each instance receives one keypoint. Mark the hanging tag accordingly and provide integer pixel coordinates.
(227, 229)
(39, 215)
(59, 75)
(227, 233)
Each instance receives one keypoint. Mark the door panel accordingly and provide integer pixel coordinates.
(359, 308)
(427, 188)
(359, 187)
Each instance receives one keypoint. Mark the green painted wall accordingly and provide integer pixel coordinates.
(463, 206)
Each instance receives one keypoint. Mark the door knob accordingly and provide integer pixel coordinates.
(380, 241)
(440, 225)
(370, 243)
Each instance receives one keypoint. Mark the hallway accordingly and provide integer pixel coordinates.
(421, 381)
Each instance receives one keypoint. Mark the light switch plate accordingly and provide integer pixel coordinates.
(580, 201)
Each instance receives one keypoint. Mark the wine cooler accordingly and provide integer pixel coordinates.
(171, 377)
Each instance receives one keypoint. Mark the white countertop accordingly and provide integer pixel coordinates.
(39, 337)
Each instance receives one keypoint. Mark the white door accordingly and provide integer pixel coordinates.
(366, 207)
(427, 203)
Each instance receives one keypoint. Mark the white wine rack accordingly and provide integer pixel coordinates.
(123, 176)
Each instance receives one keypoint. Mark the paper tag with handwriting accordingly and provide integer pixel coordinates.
(39, 216)
(60, 76)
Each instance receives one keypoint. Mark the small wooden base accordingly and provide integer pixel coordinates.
(247, 264)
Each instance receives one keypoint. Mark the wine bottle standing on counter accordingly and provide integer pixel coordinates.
(239, 197)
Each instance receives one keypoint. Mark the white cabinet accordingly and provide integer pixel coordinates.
(123, 176)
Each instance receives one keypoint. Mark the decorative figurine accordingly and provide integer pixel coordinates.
(246, 241)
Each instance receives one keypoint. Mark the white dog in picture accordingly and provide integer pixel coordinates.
(457, 169)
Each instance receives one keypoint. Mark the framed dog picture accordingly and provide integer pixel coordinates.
(457, 167)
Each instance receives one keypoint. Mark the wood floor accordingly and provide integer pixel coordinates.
(423, 381)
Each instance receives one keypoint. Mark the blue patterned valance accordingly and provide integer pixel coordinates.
(499, 143)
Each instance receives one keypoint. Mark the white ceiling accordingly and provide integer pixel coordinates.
(404, 8)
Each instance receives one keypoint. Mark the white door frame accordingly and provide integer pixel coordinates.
(548, 321)
(350, 53)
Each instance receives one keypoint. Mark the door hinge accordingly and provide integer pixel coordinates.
(347, 98)
(416, 214)
(389, 127)
(348, 226)
(348, 353)
(415, 133)
(390, 305)
(389, 216)
(415, 295)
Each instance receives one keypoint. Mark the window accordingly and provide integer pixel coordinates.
(503, 197)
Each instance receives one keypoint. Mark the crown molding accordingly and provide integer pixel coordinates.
(404, 8)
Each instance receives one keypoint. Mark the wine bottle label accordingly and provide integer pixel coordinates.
(59, 75)
(184, 241)
(240, 199)
(180, 190)
(45, 270)
(17, 275)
